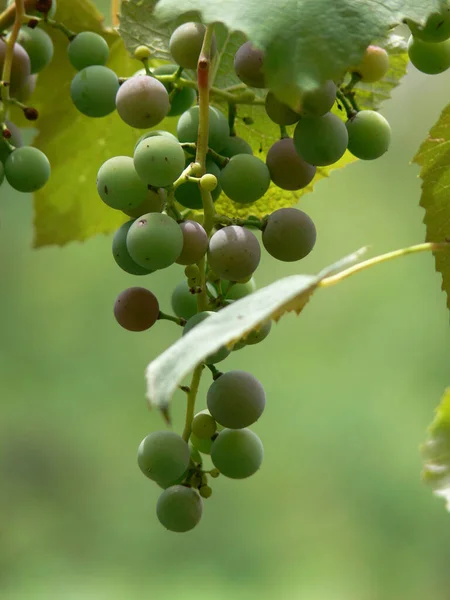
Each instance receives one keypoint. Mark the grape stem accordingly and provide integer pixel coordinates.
(251, 222)
(220, 160)
(19, 9)
(345, 103)
(54, 24)
(166, 317)
(191, 397)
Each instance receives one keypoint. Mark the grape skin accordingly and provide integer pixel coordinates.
(289, 234)
(87, 49)
(185, 44)
(254, 337)
(15, 140)
(195, 243)
(431, 59)
(278, 112)
(188, 194)
(219, 354)
(369, 135)
(93, 91)
(136, 309)
(142, 102)
(248, 64)
(27, 169)
(155, 133)
(39, 47)
(245, 178)
(159, 160)
(435, 29)
(118, 184)
(154, 202)
(155, 241)
(321, 141)
(203, 446)
(184, 304)
(237, 453)
(219, 131)
(236, 399)
(163, 456)
(235, 145)
(179, 508)
(183, 98)
(20, 70)
(240, 290)
(287, 168)
(374, 64)
(234, 253)
(121, 254)
(317, 102)
(24, 93)
(203, 426)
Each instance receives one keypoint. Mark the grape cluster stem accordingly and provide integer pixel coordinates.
(19, 10)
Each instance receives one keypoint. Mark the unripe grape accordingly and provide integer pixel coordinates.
(155, 133)
(287, 168)
(435, 29)
(204, 426)
(192, 271)
(373, 66)
(27, 169)
(208, 182)
(431, 59)
(86, 49)
(278, 112)
(38, 45)
(289, 234)
(142, 102)
(218, 132)
(203, 446)
(179, 508)
(240, 290)
(234, 253)
(369, 135)
(195, 243)
(44, 9)
(121, 254)
(245, 178)
(248, 64)
(142, 53)
(20, 70)
(155, 241)
(236, 145)
(24, 93)
(321, 141)
(118, 184)
(186, 42)
(215, 357)
(163, 456)
(154, 202)
(15, 140)
(184, 304)
(188, 194)
(237, 453)
(255, 337)
(159, 160)
(180, 100)
(93, 91)
(195, 455)
(318, 101)
(205, 491)
(136, 309)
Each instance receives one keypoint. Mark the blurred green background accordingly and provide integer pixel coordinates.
(337, 510)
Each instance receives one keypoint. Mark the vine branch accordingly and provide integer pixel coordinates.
(19, 9)
(191, 397)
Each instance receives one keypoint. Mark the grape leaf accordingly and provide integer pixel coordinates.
(228, 326)
(436, 451)
(434, 158)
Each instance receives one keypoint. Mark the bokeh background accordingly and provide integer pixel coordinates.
(337, 511)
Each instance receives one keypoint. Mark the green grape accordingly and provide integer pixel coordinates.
(178, 481)
(245, 178)
(236, 145)
(121, 254)
(15, 140)
(195, 455)
(248, 64)
(159, 160)
(155, 241)
(236, 399)
(163, 456)
(240, 290)
(188, 194)
(142, 102)
(373, 66)
(369, 135)
(208, 182)
(218, 133)
(179, 508)
(192, 271)
(86, 49)
(431, 59)
(182, 98)
(118, 184)
(205, 491)
(142, 53)
(185, 44)
(93, 91)
(255, 337)
(287, 168)
(237, 453)
(203, 446)
(321, 141)
(154, 202)
(278, 112)
(136, 309)
(195, 243)
(38, 45)
(39, 13)
(289, 234)
(27, 169)
(216, 356)
(184, 304)
(20, 70)
(435, 29)
(204, 426)
(234, 253)
(318, 101)
(24, 93)
(155, 133)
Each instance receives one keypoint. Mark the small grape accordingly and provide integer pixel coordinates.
(236, 399)
(20, 70)
(38, 45)
(155, 241)
(188, 194)
(195, 243)
(287, 168)
(142, 102)
(184, 304)
(159, 160)
(121, 254)
(248, 64)
(186, 42)
(236, 145)
(240, 290)
(163, 456)
(204, 426)
(183, 98)
(245, 178)
(118, 184)
(155, 133)
(218, 133)
(179, 508)
(234, 253)
(373, 66)
(289, 234)
(255, 337)
(192, 271)
(154, 202)
(237, 453)
(93, 91)
(435, 29)
(278, 112)
(431, 59)
(208, 182)
(369, 135)
(318, 101)
(205, 491)
(87, 49)
(136, 309)
(142, 53)
(203, 446)
(216, 356)
(321, 141)
(27, 169)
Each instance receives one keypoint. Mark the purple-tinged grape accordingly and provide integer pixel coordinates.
(321, 141)
(435, 29)
(142, 102)
(234, 253)
(287, 168)
(236, 145)
(93, 91)
(38, 45)
(87, 49)
(27, 169)
(278, 112)
(248, 64)
(373, 66)
(184, 304)
(369, 135)
(159, 160)
(121, 254)
(26, 91)
(245, 178)
(155, 241)
(20, 70)
(118, 184)
(431, 59)
(195, 243)
(237, 453)
(179, 508)
(163, 456)
(215, 357)
(183, 98)
(218, 132)
(185, 44)
(136, 309)
(289, 234)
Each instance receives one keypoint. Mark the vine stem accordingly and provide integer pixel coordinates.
(6, 73)
(191, 397)
(8, 16)
(382, 258)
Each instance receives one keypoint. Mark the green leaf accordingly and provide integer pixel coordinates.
(228, 326)
(434, 158)
(436, 451)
